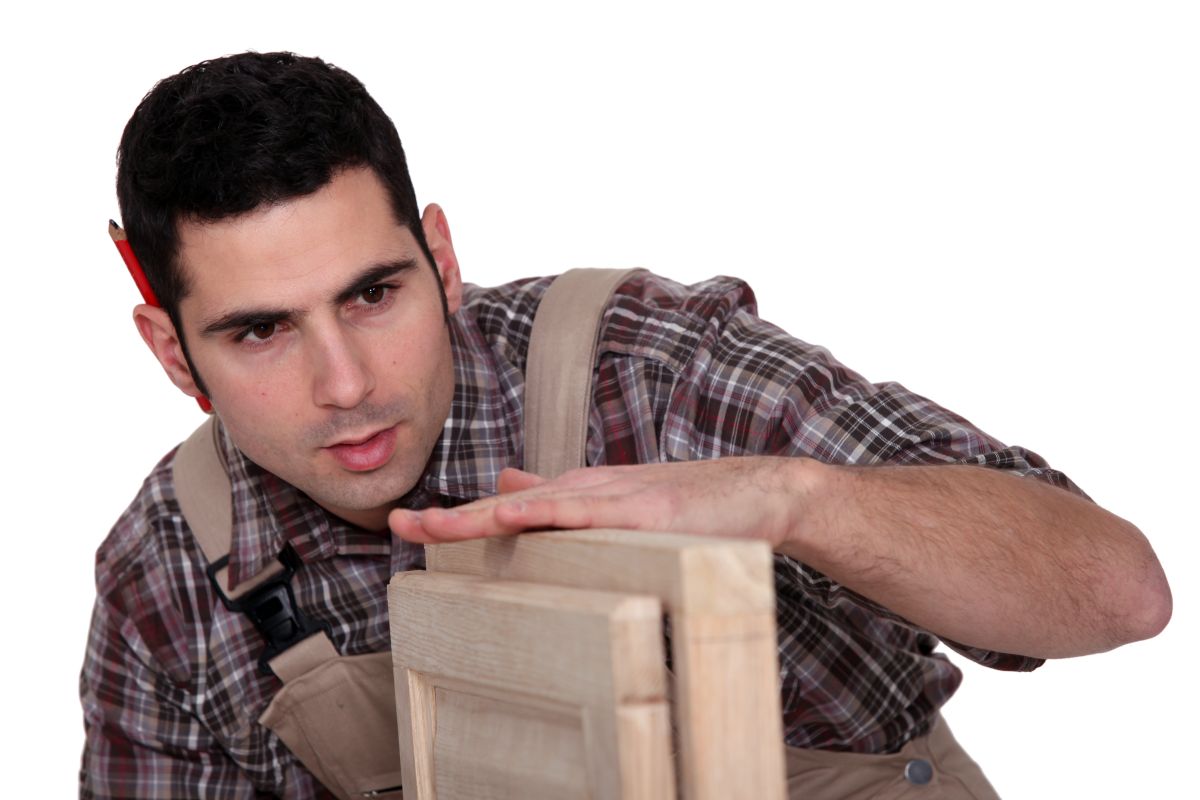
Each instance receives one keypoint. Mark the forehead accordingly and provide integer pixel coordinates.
(292, 252)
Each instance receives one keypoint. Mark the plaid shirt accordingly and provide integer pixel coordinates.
(171, 688)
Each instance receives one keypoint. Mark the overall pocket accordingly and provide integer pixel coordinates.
(339, 719)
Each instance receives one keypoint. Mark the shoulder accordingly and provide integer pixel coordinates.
(718, 296)
(503, 315)
(150, 574)
(708, 332)
(710, 335)
(700, 340)
(143, 528)
(660, 319)
(648, 315)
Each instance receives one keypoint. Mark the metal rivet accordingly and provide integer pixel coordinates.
(918, 771)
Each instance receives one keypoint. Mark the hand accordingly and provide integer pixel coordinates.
(748, 497)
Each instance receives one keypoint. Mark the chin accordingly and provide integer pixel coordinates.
(365, 492)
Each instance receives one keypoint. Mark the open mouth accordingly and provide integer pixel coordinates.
(368, 454)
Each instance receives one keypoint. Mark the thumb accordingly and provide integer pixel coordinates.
(514, 480)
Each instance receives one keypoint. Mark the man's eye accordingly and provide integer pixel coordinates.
(374, 294)
(261, 331)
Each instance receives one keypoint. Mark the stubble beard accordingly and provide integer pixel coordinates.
(364, 491)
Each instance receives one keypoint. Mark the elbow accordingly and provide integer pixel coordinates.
(1153, 608)
(1146, 604)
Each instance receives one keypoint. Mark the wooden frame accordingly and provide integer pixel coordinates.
(513, 690)
(720, 599)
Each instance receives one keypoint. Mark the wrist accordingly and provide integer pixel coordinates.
(808, 485)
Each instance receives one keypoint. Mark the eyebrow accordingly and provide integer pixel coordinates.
(373, 276)
(246, 318)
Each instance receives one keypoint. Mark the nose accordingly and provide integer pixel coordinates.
(342, 377)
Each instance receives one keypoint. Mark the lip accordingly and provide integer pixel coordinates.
(364, 455)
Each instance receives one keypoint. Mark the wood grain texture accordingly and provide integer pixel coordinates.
(719, 594)
(516, 690)
(490, 748)
(681, 570)
(415, 718)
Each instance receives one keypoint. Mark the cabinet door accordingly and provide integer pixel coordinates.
(515, 690)
(719, 597)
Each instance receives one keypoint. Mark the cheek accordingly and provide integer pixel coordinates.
(266, 385)
(260, 411)
(418, 351)
(422, 368)
(249, 402)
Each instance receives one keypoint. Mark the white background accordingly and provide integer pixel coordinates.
(995, 204)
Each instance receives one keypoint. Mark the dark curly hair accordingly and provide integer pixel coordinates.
(226, 136)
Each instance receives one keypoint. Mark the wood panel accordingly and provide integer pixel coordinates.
(514, 690)
(719, 595)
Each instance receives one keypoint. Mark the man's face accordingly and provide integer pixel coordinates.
(318, 328)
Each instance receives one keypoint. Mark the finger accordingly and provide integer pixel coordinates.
(410, 526)
(406, 525)
(567, 512)
(530, 503)
(437, 525)
(515, 480)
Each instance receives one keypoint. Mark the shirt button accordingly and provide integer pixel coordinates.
(918, 771)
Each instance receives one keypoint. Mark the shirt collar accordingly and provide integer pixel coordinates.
(483, 432)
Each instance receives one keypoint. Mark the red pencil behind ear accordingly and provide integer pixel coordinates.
(143, 285)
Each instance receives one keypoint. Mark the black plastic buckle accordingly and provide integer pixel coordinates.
(272, 608)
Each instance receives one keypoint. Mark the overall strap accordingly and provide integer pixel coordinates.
(559, 368)
(205, 497)
(202, 487)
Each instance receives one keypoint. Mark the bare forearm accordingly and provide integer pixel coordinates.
(981, 557)
(972, 554)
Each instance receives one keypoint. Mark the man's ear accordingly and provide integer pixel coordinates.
(437, 236)
(158, 332)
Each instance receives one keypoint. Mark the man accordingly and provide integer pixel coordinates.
(359, 385)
